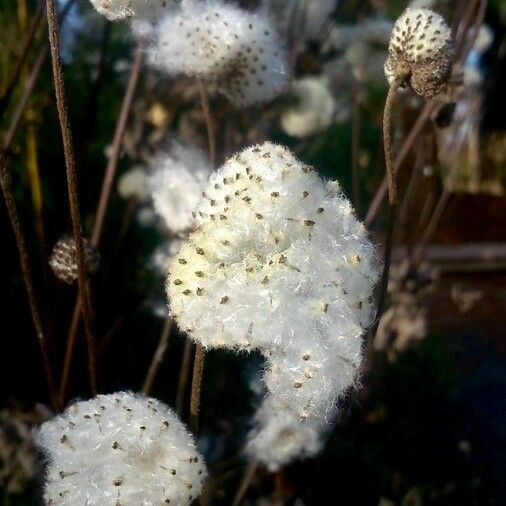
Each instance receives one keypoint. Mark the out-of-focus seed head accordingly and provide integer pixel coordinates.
(63, 259)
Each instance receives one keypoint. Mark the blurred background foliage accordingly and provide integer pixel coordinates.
(429, 424)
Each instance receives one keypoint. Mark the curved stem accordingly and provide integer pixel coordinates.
(158, 356)
(184, 374)
(68, 148)
(206, 109)
(392, 199)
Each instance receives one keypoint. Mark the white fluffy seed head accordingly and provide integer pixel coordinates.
(275, 245)
(176, 183)
(421, 51)
(123, 9)
(121, 448)
(312, 111)
(133, 184)
(239, 51)
(278, 436)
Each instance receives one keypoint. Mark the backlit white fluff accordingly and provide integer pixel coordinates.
(121, 448)
(239, 51)
(279, 263)
(279, 437)
(176, 183)
(313, 108)
(124, 9)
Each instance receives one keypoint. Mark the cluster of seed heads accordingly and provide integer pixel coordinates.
(121, 449)
(63, 259)
(238, 51)
(420, 52)
(279, 263)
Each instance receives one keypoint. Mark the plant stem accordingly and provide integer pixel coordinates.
(184, 374)
(158, 356)
(27, 44)
(245, 483)
(61, 104)
(198, 372)
(392, 199)
(204, 99)
(103, 203)
(6, 184)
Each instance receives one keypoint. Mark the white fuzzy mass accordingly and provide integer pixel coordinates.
(239, 51)
(120, 449)
(312, 111)
(279, 263)
(123, 9)
(176, 183)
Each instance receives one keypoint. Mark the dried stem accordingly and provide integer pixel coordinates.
(245, 483)
(61, 104)
(184, 375)
(6, 184)
(158, 356)
(355, 147)
(204, 99)
(27, 45)
(103, 203)
(392, 198)
(117, 144)
(198, 372)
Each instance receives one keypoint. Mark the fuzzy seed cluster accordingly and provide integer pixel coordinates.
(313, 108)
(115, 10)
(175, 184)
(238, 51)
(279, 263)
(420, 52)
(120, 449)
(63, 259)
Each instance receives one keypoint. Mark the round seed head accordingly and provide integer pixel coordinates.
(63, 259)
(420, 52)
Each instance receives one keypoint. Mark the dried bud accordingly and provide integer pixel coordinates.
(63, 259)
(420, 52)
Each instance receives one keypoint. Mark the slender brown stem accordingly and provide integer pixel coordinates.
(355, 147)
(431, 227)
(206, 109)
(392, 199)
(198, 373)
(27, 45)
(158, 356)
(245, 483)
(6, 184)
(184, 375)
(117, 144)
(104, 199)
(381, 193)
(61, 104)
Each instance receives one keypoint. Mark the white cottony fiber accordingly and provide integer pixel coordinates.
(121, 448)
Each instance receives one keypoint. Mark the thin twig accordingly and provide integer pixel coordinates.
(431, 227)
(355, 147)
(382, 191)
(6, 184)
(392, 199)
(61, 104)
(206, 109)
(184, 375)
(198, 373)
(103, 203)
(27, 45)
(245, 483)
(158, 356)
(117, 144)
